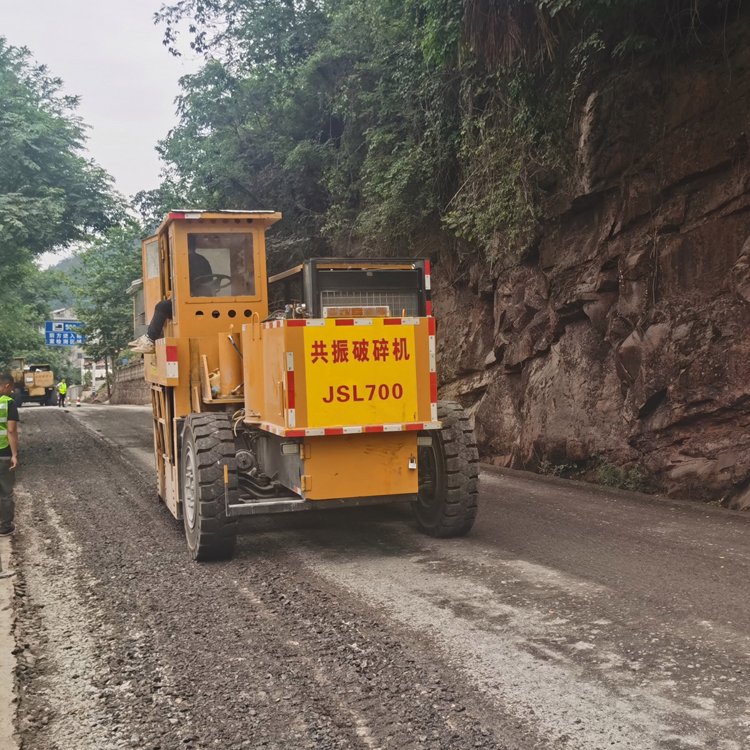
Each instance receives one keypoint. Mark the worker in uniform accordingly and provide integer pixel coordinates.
(62, 390)
(201, 275)
(8, 453)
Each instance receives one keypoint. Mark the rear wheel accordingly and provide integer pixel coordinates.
(448, 475)
(207, 446)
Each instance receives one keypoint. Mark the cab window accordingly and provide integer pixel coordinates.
(221, 264)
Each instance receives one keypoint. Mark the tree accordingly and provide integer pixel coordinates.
(401, 126)
(109, 265)
(50, 194)
(339, 114)
(154, 205)
(26, 300)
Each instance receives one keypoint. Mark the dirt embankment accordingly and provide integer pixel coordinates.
(628, 336)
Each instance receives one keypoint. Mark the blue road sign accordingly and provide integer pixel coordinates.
(63, 333)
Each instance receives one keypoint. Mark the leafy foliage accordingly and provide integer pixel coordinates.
(153, 205)
(512, 137)
(50, 195)
(399, 126)
(632, 479)
(331, 112)
(108, 267)
(27, 297)
(545, 31)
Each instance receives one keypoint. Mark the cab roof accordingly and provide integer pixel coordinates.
(266, 216)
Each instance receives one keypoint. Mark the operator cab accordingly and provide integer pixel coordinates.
(211, 264)
(221, 264)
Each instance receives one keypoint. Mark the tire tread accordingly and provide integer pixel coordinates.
(457, 508)
(213, 440)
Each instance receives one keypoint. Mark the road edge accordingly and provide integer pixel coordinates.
(8, 701)
(613, 492)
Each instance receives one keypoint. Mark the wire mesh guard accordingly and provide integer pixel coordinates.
(400, 303)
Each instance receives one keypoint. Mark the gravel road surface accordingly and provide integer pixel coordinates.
(570, 618)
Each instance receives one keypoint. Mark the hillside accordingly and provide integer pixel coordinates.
(624, 340)
(67, 267)
(577, 171)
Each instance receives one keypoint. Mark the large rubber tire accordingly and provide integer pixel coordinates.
(18, 397)
(208, 445)
(448, 476)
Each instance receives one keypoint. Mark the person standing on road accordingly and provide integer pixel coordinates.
(8, 453)
(62, 389)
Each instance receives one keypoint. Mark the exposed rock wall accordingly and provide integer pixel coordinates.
(628, 336)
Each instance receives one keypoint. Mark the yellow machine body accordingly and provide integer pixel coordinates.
(189, 350)
(313, 388)
(38, 382)
(341, 400)
(33, 382)
(356, 390)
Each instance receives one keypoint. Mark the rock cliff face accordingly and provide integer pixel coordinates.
(628, 336)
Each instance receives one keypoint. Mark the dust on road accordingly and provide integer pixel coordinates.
(126, 643)
(348, 629)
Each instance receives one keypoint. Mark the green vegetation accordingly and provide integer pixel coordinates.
(377, 126)
(598, 470)
(631, 479)
(563, 470)
(50, 196)
(399, 126)
(108, 266)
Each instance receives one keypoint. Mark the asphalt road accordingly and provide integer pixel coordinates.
(571, 617)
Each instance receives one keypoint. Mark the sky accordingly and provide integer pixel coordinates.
(108, 52)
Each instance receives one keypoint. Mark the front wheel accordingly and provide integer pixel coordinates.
(448, 475)
(207, 446)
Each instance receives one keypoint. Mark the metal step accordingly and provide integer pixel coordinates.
(292, 503)
(277, 505)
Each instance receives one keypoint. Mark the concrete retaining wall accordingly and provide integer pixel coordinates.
(130, 387)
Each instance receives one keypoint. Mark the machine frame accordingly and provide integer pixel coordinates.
(330, 400)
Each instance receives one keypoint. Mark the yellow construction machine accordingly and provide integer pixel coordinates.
(34, 382)
(314, 388)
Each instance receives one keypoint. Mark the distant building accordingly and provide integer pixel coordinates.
(93, 374)
(135, 290)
